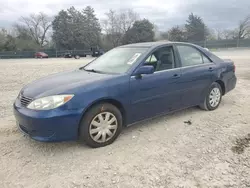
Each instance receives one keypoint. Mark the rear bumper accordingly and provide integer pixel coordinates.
(231, 84)
(48, 126)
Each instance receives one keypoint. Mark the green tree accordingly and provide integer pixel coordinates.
(177, 34)
(73, 29)
(7, 41)
(22, 38)
(64, 29)
(3, 36)
(24, 44)
(10, 43)
(142, 31)
(196, 28)
(92, 28)
(21, 32)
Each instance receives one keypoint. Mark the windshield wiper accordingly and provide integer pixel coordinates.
(92, 70)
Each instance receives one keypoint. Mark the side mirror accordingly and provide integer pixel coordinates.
(147, 69)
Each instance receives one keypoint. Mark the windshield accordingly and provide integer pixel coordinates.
(118, 60)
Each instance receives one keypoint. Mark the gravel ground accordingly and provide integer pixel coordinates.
(211, 150)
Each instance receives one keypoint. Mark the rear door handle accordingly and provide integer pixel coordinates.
(176, 76)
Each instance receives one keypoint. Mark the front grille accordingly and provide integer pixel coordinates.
(25, 100)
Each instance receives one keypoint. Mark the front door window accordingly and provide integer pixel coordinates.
(161, 59)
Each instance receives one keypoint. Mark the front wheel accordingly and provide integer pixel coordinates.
(101, 125)
(213, 97)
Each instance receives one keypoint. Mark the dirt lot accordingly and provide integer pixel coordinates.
(212, 151)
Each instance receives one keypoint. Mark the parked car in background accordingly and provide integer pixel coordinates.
(72, 55)
(41, 55)
(77, 54)
(125, 85)
(96, 52)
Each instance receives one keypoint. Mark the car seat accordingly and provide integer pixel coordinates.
(166, 62)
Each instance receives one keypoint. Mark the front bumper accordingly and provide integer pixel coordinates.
(50, 125)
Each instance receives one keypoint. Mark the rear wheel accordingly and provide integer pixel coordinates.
(77, 57)
(213, 97)
(101, 125)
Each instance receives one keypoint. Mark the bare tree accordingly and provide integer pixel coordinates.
(158, 35)
(177, 33)
(126, 19)
(37, 27)
(228, 34)
(218, 33)
(117, 24)
(21, 32)
(244, 28)
(112, 28)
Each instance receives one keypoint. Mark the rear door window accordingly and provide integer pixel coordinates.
(191, 56)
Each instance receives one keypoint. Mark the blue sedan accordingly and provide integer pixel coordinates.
(125, 85)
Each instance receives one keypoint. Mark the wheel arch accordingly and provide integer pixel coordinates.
(112, 101)
(222, 85)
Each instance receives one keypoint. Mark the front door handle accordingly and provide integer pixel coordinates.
(210, 69)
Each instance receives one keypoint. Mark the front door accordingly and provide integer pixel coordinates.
(159, 92)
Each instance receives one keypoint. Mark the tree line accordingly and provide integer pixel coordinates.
(81, 29)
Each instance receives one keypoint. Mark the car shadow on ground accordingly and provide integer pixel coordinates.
(162, 119)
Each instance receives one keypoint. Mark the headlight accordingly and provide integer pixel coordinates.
(51, 102)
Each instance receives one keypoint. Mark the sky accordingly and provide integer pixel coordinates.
(217, 14)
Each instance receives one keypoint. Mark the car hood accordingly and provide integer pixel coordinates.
(62, 83)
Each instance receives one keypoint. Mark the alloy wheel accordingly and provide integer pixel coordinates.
(214, 97)
(103, 127)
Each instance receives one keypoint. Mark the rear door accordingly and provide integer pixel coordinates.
(197, 70)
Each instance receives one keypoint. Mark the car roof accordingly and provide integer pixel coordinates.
(153, 44)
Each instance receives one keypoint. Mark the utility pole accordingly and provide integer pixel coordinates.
(238, 41)
(205, 42)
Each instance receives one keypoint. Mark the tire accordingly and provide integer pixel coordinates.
(212, 104)
(77, 57)
(91, 121)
